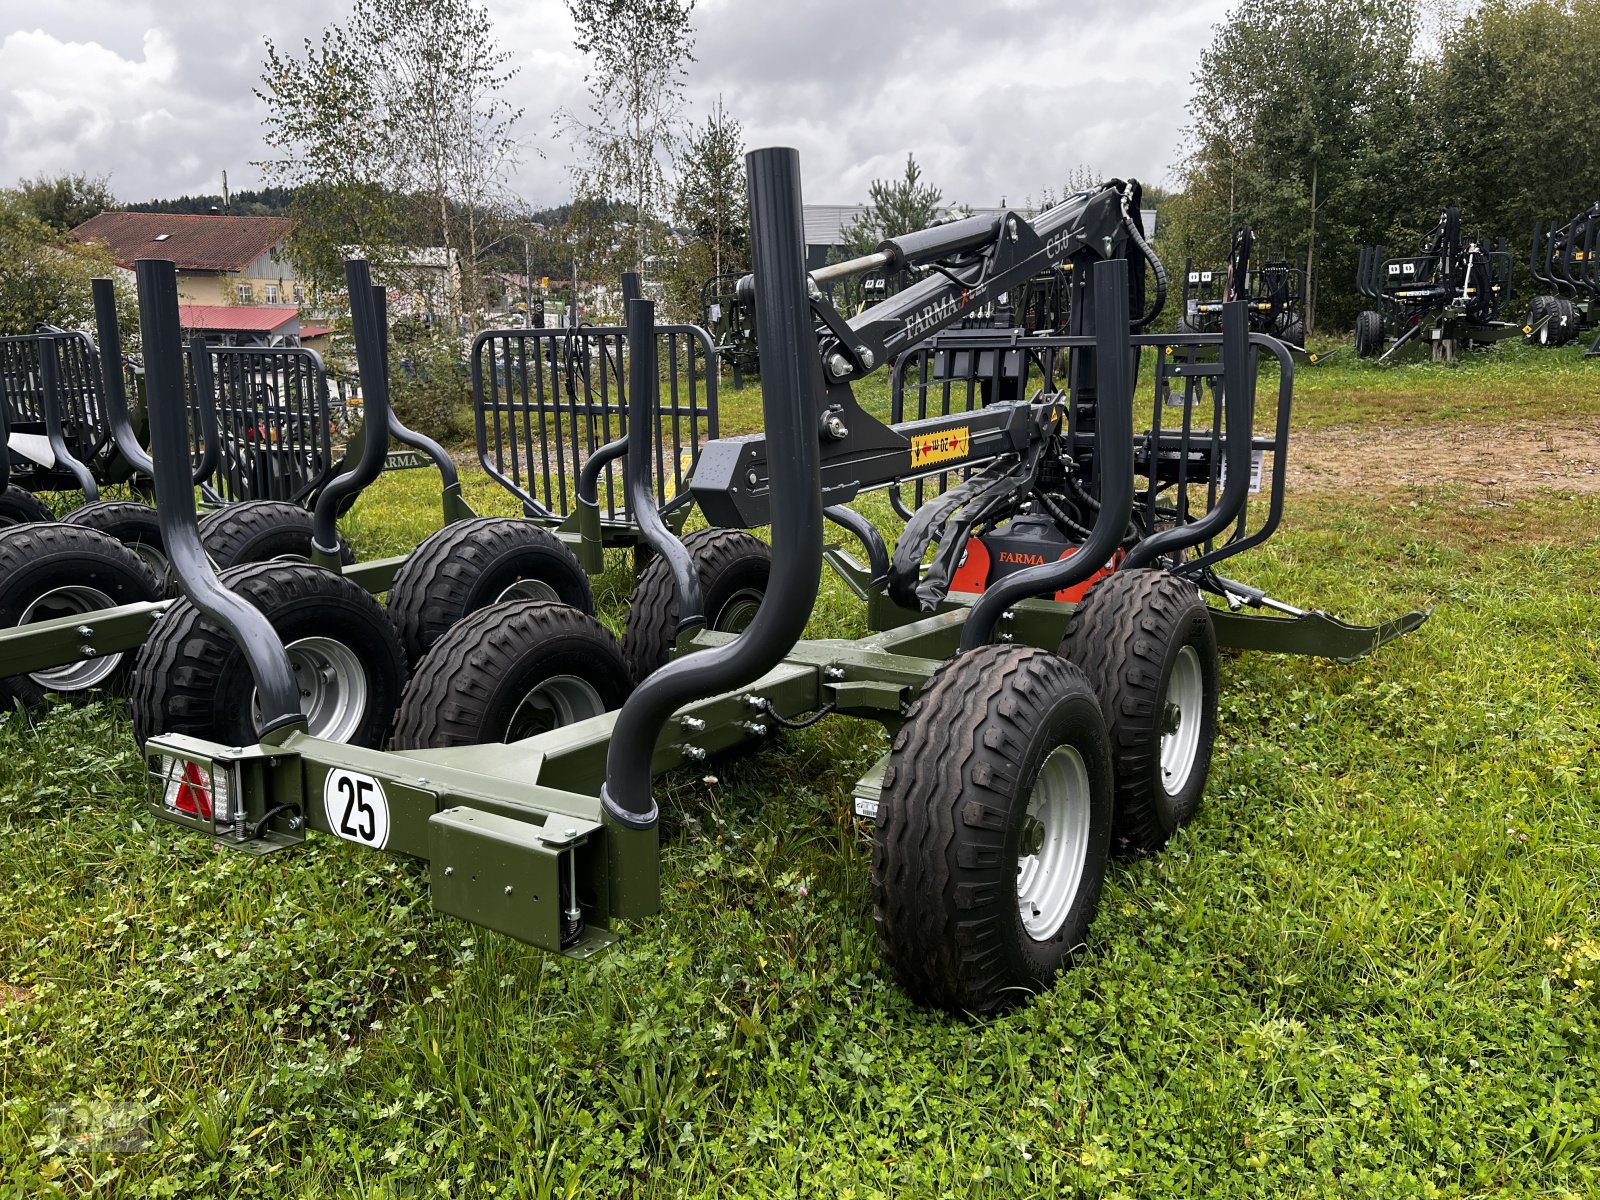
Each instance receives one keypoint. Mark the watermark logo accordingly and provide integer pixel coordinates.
(97, 1127)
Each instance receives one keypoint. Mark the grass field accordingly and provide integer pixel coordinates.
(1367, 969)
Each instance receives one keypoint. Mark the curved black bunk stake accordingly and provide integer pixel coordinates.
(114, 389)
(867, 533)
(1539, 239)
(47, 339)
(1113, 436)
(588, 493)
(791, 382)
(372, 341)
(1239, 406)
(113, 384)
(206, 410)
(162, 335)
(644, 387)
(455, 505)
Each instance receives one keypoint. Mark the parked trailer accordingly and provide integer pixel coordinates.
(1273, 292)
(1451, 295)
(77, 596)
(1566, 261)
(996, 806)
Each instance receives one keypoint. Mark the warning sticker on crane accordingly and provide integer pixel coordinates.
(947, 444)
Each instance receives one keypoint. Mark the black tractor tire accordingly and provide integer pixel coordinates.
(134, 525)
(734, 567)
(469, 565)
(1563, 326)
(191, 678)
(1144, 639)
(59, 570)
(1186, 326)
(508, 672)
(18, 506)
(261, 531)
(1369, 334)
(950, 880)
(1292, 331)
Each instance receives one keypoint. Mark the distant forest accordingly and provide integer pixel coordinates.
(277, 202)
(267, 202)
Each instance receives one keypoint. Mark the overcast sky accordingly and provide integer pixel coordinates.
(997, 98)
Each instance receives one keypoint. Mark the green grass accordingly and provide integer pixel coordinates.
(1509, 380)
(1367, 968)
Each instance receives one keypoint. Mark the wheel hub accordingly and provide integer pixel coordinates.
(1172, 717)
(555, 703)
(74, 600)
(527, 589)
(1054, 846)
(332, 685)
(1181, 719)
(737, 611)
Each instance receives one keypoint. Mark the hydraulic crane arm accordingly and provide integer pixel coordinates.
(965, 265)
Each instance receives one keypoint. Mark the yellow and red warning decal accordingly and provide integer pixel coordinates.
(944, 446)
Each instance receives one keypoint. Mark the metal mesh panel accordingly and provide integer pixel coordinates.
(1179, 422)
(84, 427)
(275, 424)
(544, 400)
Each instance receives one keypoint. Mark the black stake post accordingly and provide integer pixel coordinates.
(204, 381)
(162, 335)
(644, 391)
(589, 474)
(398, 430)
(372, 343)
(1113, 438)
(791, 382)
(113, 385)
(50, 407)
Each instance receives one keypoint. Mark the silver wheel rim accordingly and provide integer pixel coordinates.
(527, 589)
(153, 558)
(1055, 844)
(74, 600)
(559, 701)
(1182, 712)
(738, 611)
(333, 688)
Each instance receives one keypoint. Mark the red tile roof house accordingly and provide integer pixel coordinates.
(235, 284)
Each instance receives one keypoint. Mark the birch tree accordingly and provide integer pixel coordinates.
(394, 132)
(638, 52)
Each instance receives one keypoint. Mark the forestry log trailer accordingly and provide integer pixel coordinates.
(1029, 734)
(1274, 294)
(1566, 260)
(1451, 295)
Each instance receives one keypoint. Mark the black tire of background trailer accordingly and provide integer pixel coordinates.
(729, 561)
(18, 506)
(191, 677)
(38, 558)
(260, 531)
(467, 565)
(467, 689)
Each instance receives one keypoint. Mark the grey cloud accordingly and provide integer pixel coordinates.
(996, 99)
